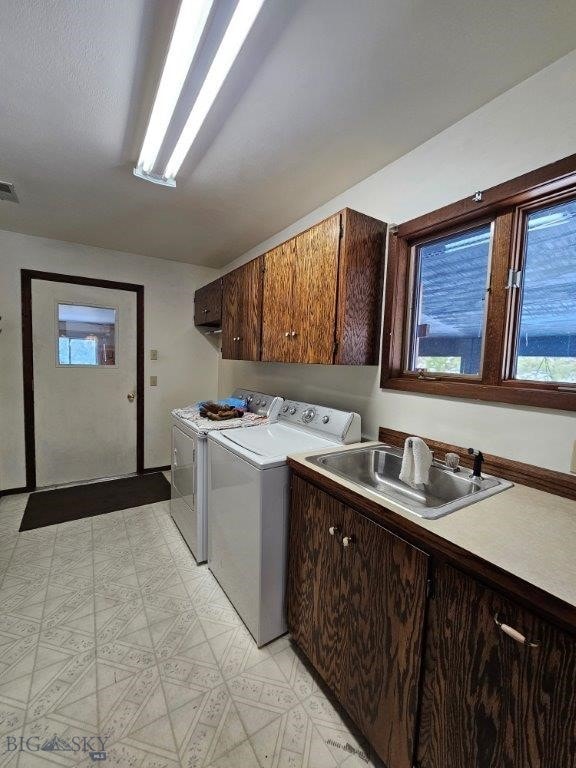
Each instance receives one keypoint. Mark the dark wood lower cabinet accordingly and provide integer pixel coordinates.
(383, 595)
(461, 678)
(314, 605)
(357, 612)
(490, 701)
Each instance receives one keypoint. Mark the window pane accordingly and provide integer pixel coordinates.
(86, 335)
(546, 349)
(448, 315)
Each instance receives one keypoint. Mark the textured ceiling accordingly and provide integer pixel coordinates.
(324, 93)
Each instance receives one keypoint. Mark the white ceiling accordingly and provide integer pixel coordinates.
(324, 93)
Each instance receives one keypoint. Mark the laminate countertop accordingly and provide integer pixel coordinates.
(526, 533)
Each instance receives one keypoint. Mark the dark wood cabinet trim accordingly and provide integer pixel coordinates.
(26, 277)
(532, 597)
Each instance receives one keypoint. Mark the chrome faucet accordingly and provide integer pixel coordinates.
(476, 475)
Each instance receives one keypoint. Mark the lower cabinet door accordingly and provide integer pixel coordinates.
(314, 562)
(383, 594)
(491, 700)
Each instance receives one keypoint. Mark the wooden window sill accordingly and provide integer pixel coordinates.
(514, 393)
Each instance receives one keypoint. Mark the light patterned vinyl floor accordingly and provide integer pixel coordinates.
(109, 628)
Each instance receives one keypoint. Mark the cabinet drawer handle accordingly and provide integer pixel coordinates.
(333, 530)
(347, 540)
(514, 634)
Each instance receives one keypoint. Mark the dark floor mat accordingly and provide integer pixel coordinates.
(78, 501)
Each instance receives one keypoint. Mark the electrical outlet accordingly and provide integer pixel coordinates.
(153, 354)
(153, 381)
(573, 462)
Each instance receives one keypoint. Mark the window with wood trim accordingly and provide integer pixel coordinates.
(481, 295)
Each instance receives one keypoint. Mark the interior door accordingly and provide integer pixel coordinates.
(383, 597)
(277, 343)
(315, 289)
(231, 314)
(84, 351)
(314, 604)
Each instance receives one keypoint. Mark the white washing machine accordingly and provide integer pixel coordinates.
(248, 500)
(188, 505)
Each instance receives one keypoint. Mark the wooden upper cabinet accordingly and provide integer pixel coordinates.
(208, 304)
(322, 293)
(277, 344)
(489, 700)
(314, 294)
(242, 312)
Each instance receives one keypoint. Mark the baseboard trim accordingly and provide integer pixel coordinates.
(13, 491)
(146, 470)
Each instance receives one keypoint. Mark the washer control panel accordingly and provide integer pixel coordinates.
(343, 426)
(260, 403)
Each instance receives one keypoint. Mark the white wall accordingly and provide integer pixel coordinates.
(187, 365)
(529, 126)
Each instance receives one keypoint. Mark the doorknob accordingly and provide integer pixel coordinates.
(131, 396)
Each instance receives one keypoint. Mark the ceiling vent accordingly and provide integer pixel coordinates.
(7, 192)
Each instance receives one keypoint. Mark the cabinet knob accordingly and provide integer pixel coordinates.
(292, 333)
(347, 540)
(513, 633)
(205, 310)
(333, 530)
(287, 334)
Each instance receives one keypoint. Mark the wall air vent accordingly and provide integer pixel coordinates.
(7, 192)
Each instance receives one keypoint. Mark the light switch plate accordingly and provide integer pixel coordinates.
(153, 381)
(573, 462)
(153, 354)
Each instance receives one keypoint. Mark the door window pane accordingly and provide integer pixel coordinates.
(86, 335)
(546, 348)
(449, 303)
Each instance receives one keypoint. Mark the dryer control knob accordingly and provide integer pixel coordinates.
(308, 415)
(292, 411)
(325, 419)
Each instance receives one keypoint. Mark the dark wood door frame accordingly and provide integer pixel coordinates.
(27, 275)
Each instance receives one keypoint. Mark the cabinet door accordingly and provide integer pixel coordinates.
(279, 263)
(383, 592)
(208, 304)
(314, 561)
(490, 701)
(250, 321)
(231, 314)
(314, 298)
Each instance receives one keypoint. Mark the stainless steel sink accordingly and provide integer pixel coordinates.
(378, 468)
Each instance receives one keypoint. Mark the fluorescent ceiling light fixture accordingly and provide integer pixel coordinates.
(234, 37)
(190, 23)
